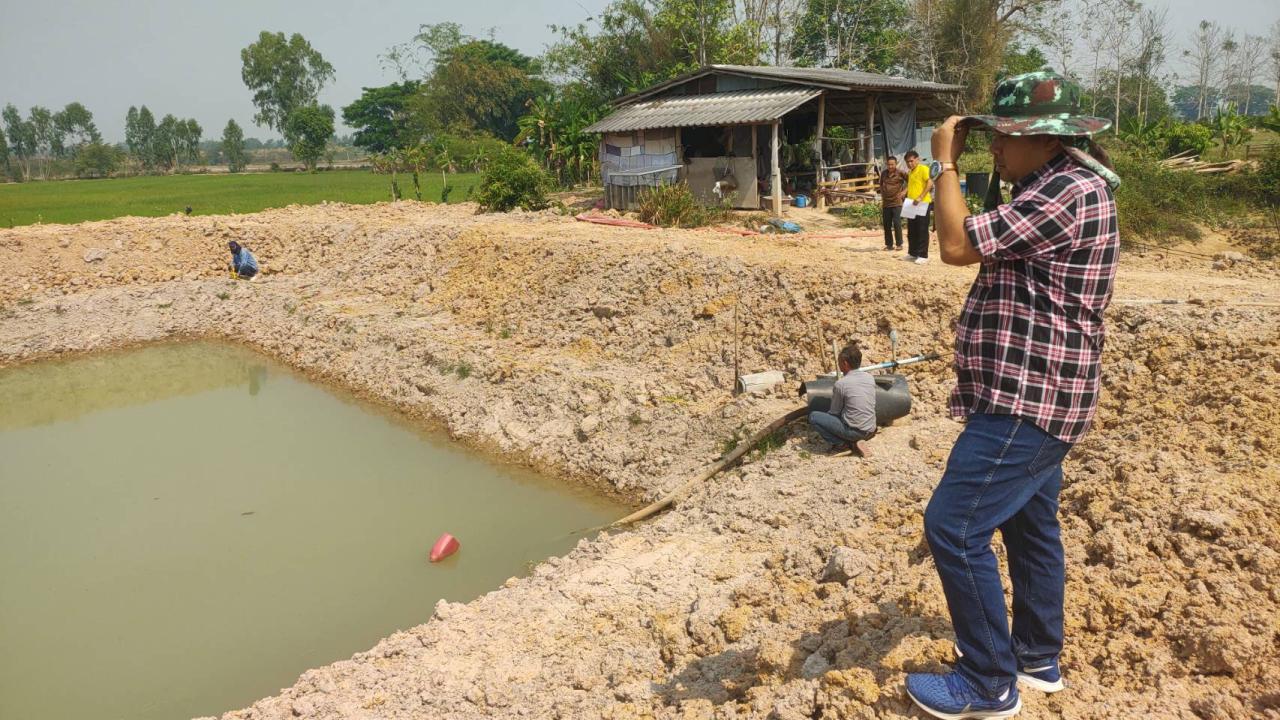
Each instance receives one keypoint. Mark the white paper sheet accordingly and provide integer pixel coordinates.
(913, 209)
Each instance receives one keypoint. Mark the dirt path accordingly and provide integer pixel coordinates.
(796, 586)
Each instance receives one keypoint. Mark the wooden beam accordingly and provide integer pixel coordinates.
(817, 149)
(775, 187)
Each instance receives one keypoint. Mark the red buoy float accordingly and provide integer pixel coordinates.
(444, 547)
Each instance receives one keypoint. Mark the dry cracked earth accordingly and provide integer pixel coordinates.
(796, 585)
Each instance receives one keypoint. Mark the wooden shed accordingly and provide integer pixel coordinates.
(746, 135)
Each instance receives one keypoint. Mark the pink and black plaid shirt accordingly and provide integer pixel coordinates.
(1029, 340)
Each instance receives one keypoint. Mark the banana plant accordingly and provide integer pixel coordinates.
(1231, 130)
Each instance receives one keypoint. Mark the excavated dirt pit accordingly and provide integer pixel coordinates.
(795, 586)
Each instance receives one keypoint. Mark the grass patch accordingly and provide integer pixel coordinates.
(462, 370)
(675, 206)
(863, 216)
(26, 301)
(773, 441)
(224, 296)
(71, 201)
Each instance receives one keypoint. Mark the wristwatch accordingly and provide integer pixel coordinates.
(937, 168)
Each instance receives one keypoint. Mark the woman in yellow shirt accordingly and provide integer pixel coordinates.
(918, 188)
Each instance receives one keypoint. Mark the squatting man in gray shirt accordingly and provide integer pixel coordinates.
(851, 420)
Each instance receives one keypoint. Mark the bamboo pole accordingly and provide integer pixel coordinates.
(727, 461)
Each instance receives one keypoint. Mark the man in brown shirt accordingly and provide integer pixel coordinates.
(893, 188)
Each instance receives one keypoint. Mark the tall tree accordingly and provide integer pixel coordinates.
(1274, 52)
(165, 144)
(189, 132)
(380, 117)
(478, 85)
(132, 142)
(641, 42)
(852, 35)
(143, 138)
(964, 41)
(75, 128)
(22, 138)
(1121, 16)
(1203, 57)
(307, 131)
(284, 75)
(1252, 51)
(416, 58)
(233, 146)
(1153, 40)
(44, 131)
(769, 24)
(1229, 68)
(4, 154)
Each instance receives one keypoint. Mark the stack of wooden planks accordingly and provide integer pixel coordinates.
(1188, 161)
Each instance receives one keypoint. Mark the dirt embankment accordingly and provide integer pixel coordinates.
(796, 586)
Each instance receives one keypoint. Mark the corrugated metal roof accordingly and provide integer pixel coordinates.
(830, 78)
(848, 79)
(727, 108)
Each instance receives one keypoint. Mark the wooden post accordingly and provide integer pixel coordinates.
(817, 151)
(871, 126)
(680, 174)
(755, 161)
(775, 187)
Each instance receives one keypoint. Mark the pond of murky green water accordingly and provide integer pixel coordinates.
(186, 528)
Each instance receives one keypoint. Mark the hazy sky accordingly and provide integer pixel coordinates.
(184, 57)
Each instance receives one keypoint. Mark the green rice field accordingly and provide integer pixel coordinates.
(72, 201)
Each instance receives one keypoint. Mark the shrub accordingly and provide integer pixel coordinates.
(1156, 204)
(511, 180)
(1184, 136)
(675, 206)
(96, 160)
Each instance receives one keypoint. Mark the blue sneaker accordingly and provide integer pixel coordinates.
(1043, 676)
(951, 697)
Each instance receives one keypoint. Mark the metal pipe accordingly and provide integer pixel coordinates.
(899, 363)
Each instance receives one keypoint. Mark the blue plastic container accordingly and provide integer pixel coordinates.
(800, 201)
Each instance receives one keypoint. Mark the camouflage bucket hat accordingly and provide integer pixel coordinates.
(1038, 103)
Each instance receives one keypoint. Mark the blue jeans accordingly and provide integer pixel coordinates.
(833, 430)
(1004, 472)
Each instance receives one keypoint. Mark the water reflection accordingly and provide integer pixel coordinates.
(257, 378)
(61, 390)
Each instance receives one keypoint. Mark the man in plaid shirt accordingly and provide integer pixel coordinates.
(1028, 347)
